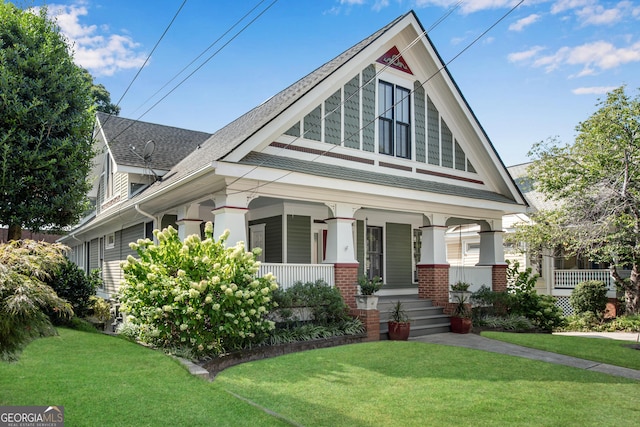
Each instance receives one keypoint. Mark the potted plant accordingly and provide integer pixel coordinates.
(366, 300)
(460, 290)
(399, 324)
(461, 317)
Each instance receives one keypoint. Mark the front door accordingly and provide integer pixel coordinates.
(374, 262)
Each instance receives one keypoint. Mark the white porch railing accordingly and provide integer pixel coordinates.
(288, 274)
(568, 279)
(476, 276)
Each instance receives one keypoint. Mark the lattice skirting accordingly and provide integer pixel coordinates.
(565, 305)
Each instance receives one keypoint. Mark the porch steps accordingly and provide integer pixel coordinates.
(425, 318)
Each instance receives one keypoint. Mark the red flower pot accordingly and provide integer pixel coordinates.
(399, 331)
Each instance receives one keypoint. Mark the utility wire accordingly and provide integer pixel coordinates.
(201, 54)
(390, 108)
(197, 68)
(151, 53)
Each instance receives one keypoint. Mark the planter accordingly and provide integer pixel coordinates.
(367, 302)
(460, 325)
(399, 331)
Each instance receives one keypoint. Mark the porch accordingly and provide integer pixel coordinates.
(565, 281)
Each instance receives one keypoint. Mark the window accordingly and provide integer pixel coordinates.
(394, 120)
(110, 241)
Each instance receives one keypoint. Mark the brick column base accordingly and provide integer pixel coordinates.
(346, 280)
(499, 278)
(433, 283)
(371, 321)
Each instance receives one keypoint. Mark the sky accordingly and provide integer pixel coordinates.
(539, 70)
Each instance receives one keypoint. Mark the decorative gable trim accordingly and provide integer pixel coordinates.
(394, 60)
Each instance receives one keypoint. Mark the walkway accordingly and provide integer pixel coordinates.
(478, 342)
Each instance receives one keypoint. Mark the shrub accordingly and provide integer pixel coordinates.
(24, 296)
(71, 283)
(589, 297)
(324, 302)
(521, 299)
(196, 293)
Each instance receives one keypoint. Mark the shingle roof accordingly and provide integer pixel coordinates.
(343, 173)
(225, 140)
(171, 144)
(536, 199)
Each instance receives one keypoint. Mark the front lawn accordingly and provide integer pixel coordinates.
(102, 380)
(609, 351)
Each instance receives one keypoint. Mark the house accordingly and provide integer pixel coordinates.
(358, 168)
(558, 274)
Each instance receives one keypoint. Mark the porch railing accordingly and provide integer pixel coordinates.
(476, 276)
(288, 274)
(569, 279)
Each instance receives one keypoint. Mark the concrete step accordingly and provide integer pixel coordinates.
(425, 318)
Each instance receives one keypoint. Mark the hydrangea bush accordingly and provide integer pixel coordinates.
(197, 293)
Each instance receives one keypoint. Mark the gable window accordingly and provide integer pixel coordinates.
(394, 129)
(110, 241)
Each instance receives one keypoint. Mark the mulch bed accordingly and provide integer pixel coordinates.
(214, 366)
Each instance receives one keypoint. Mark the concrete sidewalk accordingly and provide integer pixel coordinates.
(478, 342)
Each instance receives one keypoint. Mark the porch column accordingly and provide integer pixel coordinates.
(230, 213)
(433, 269)
(341, 251)
(189, 220)
(492, 253)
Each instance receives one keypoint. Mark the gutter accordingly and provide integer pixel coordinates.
(148, 215)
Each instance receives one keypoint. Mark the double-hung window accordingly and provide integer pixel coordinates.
(394, 132)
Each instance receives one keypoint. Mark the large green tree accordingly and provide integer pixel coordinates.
(101, 96)
(46, 120)
(595, 184)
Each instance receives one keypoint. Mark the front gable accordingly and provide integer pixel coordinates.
(393, 109)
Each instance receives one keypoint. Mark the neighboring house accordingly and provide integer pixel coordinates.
(559, 274)
(31, 235)
(358, 168)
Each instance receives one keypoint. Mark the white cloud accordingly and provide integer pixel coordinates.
(102, 55)
(590, 12)
(469, 6)
(524, 55)
(593, 57)
(520, 24)
(594, 90)
(564, 5)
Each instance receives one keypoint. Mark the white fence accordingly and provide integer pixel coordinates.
(288, 274)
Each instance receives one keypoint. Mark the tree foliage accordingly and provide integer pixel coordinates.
(101, 96)
(595, 185)
(25, 298)
(46, 120)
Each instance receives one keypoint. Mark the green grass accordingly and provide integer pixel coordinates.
(613, 352)
(102, 380)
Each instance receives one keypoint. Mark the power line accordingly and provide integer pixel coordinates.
(438, 71)
(201, 53)
(197, 68)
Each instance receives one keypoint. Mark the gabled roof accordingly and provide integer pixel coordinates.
(537, 200)
(225, 140)
(127, 138)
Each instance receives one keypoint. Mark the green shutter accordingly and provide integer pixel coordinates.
(333, 120)
(398, 250)
(368, 108)
(294, 130)
(312, 124)
(420, 122)
(447, 146)
(352, 113)
(433, 133)
(298, 239)
(460, 157)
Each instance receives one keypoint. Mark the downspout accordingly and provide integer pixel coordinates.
(148, 215)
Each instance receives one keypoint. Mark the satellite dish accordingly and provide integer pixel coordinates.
(148, 150)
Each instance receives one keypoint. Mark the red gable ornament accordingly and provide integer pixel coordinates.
(394, 60)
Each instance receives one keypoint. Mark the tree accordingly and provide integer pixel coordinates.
(25, 299)
(101, 96)
(595, 184)
(46, 121)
